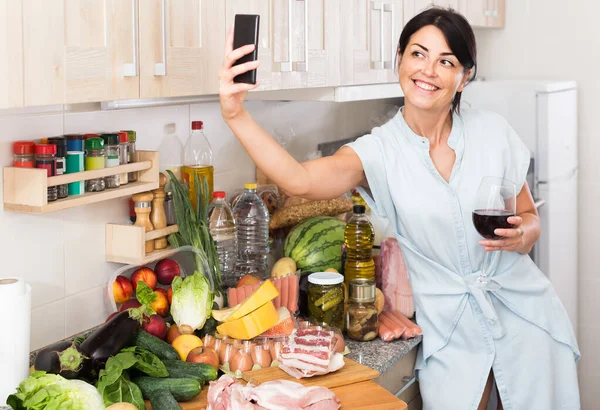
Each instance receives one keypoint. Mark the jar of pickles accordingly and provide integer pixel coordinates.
(362, 316)
(326, 298)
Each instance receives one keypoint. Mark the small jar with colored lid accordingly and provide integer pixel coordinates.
(123, 155)
(94, 159)
(131, 138)
(326, 298)
(23, 154)
(74, 142)
(111, 153)
(45, 157)
(362, 319)
(61, 166)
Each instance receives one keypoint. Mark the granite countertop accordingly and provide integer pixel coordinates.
(380, 355)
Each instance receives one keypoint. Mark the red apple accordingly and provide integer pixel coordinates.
(122, 289)
(202, 354)
(166, 270)
(145, 275)
(130, 304)
(161, 304)
(156, 326)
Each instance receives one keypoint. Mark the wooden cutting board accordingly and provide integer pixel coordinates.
(352, 372)
(358, 396)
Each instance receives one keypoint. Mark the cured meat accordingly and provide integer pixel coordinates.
(228, 394)
(395, 284)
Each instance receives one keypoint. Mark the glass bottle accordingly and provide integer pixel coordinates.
(94, 159)
(123, 155)
(359, 236)
(131, 138)
(362, 319)
(171, 154)
(197, 161)
(326, 298)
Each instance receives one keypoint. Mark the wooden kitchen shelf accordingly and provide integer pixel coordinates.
(126, 244)
(26, 189)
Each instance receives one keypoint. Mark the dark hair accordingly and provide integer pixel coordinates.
(458, 33)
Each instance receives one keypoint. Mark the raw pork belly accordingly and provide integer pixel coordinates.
(395, 284)
(309, 352)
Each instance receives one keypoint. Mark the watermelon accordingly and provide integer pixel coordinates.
(316, 244)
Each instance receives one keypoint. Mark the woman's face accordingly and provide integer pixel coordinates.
(430, 74)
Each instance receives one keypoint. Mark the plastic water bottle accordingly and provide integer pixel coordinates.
(252, 220)
(221, 223)
(358, 238)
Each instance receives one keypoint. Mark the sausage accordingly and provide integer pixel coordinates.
(293, 293)
(415, 329)
(385, 334)
(283, 291)
(392, 326)
(277, 301)
(407, 330)
(232, 297)
(241, 295)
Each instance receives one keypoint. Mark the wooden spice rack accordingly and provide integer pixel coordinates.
(26, 189)
(125, 244)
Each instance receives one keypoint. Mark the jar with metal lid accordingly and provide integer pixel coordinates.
(111, 153)
(362, 319)
(123, 155)
(61, 165)
(326, 298)
(23, 154)
(131, 137)
(170, 209)
(94, 159)
(45, 157)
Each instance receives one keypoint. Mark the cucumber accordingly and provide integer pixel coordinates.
(163, 400)
(181, 389)
(331, 294)
(162, 349)
(193, 370)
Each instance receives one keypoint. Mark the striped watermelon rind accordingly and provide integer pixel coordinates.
(316, 244)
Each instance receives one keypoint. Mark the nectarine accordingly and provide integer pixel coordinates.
(161, 304)
(122, 289)
(145, 275)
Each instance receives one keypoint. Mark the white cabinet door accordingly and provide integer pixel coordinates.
(370, 33)
(484, 13)
(11, 49)
(414, 7)
(181, 47)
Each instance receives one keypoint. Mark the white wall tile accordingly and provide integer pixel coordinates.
(47, 324)
(85, 310)
(589, 289)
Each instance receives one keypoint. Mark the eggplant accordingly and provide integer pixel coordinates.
(104, 342)
(56, 359)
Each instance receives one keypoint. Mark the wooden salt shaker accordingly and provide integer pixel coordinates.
(158, 216)
(143, 206)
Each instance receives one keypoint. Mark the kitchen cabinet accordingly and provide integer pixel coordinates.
(181, 47)
(484, 13)
(414, 7)
(369, 39)
(298, 41)
(79, 51)
(11, 48)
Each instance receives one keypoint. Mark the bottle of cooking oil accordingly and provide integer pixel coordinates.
(357, 199)
(197, 161)
(358, 237)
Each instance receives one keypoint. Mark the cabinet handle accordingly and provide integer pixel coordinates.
(493, 10)
(161, 68)
(132, 69)
(384, 8)
(289, 65)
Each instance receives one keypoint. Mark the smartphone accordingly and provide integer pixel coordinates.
(246, 32)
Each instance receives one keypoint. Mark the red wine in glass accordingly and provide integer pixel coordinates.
(486, 221)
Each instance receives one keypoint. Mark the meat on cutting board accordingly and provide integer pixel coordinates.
(395, 284)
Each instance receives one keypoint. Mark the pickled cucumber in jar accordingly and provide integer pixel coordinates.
(362, 319)
(326, 298)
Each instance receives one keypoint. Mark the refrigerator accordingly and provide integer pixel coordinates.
(544, 115)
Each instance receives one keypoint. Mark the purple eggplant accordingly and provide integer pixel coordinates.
(57, 358)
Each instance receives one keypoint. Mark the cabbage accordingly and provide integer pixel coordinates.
(41, 391)
(192, 302)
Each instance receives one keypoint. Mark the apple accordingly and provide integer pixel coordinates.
(173, 333)
(170, 296)
(145, 275)
(156, 326)
(161, 304)
(122, 289)
(247, 280)
(203, 354)
(166, 270)
(130, 304)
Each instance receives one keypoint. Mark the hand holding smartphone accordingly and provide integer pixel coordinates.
(246, 28)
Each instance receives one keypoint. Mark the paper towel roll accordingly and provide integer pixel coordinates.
(15, 323)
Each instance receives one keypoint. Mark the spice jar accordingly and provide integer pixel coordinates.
(170, 209)
(123, 155)
(23, 154)
(94, 159)
(74, 142)
(131, 138)
(111, 152)
(326, 298)
(362, 316)
(61, 166)
(45, 157)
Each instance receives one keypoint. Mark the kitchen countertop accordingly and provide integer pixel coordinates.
(380, 355)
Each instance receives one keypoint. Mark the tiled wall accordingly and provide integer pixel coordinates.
(62, 254)
(556, 40)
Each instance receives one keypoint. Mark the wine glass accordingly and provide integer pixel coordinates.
(496, 200)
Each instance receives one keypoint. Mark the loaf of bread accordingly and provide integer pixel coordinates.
(294, 214)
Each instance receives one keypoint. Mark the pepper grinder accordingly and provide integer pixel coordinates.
(158, 216)
(143, 206)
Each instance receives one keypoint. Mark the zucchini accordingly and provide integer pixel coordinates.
(194, 370)
(177, 372)
(162, 349)
(163, 400)
(181, 389)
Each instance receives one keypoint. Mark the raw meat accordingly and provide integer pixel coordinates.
(395, 284)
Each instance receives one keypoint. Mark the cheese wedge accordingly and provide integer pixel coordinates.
(252, 324)
(265, 293)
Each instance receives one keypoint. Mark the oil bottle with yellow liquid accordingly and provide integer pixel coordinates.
(197, 161)
(359, 236)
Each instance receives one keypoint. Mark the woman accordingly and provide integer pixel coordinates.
(423, 169)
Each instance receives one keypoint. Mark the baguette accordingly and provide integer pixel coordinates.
(295, 214)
